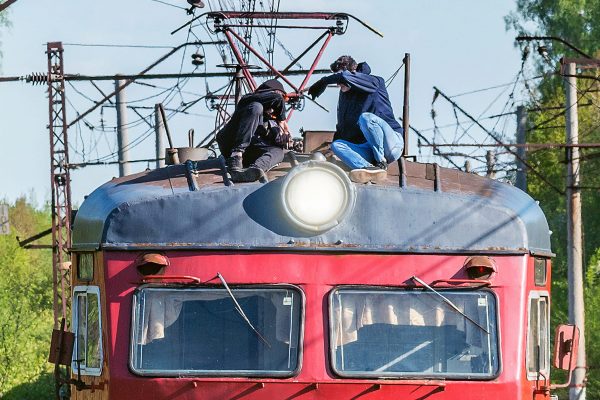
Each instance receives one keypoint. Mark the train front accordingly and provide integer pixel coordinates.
(431, 285)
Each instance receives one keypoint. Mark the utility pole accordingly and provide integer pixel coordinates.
(60, 182)
(405, 107)
(521, 181)
(122, 136)
(159, 129)
(574, 236)
(4, 221)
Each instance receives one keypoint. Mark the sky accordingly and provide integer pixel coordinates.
(458, 46)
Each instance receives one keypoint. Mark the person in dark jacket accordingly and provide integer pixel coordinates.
(252, 141)
(367, 136)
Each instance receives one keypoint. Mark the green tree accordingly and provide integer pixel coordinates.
(577, 22)
(4, 23)
(25, 306)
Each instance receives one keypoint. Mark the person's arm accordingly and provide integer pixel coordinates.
(317, 88)
(285, 138)
(281, 116)
(274, 105)
(354, 80)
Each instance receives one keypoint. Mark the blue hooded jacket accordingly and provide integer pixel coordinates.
(367, 94)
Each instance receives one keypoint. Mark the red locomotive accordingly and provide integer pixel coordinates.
(434, 284)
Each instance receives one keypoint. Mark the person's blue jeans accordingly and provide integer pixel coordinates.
(383, 144)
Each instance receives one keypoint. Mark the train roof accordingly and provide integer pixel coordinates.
(419, 208)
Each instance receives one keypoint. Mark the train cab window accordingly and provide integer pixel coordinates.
(87, 352)
(408, 333)
(85, 267)
(538, 337)
(183, 331)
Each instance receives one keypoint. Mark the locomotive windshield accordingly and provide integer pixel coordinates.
(198, 331)
(406, 333)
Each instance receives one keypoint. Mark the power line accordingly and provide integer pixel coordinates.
(421, 136)
(493, 136)
(168, 4)
(389, 80)
(129, 81)
(497, 86)
(94, 163)
(110, 45)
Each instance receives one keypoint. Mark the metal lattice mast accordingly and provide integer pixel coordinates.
(60, 182)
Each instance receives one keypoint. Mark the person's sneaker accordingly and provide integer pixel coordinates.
(382, 165)
(250, 174)
(234, 163)
(367, 174)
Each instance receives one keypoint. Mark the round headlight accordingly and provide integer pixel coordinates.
(317, 195)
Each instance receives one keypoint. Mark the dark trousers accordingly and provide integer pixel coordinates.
(237, 136)
(262, 155)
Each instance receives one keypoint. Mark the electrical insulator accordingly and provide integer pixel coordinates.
(196, 3)
(197, 59)
(37, 78)
(339, 27)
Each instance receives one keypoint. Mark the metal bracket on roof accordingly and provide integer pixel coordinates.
(437, 182)
(402, 168)
(192, 168)
(226, 179)
(189, 174)
(432, 173)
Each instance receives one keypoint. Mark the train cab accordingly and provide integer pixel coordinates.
(432, 284)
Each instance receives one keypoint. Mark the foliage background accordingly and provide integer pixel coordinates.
(5, 24)
(577, 22)
(25, 307)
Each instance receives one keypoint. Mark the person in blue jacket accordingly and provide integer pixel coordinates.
(368, 137)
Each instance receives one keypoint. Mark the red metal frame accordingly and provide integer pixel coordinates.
(240, 58)
(277, 15)
(244, 69)
(284, 15)
(230, 35)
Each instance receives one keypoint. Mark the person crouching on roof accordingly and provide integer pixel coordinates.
(253, 140)
(368, 137)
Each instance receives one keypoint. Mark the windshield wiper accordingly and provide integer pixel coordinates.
(450, 303)
(239, 309)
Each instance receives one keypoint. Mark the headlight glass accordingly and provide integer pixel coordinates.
(317, 195)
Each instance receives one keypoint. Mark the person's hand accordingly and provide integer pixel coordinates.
(284, 140)
(284, 126)
(317, 89)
